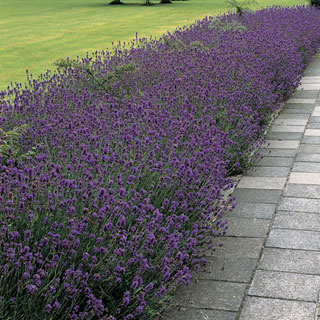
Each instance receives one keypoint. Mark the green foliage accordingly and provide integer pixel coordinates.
(105, 83)
(11, 147)
(226, 26)
(173, 44)
(199, 45)
(240, 6)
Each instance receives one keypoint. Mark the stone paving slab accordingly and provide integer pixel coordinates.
(250, 228)
(274, 309)
(284, 135)
(299, 205)
(298, 106)
(271, 152)
(312, 132)
(302, 191)
(304, 177)
(283, 144)
(310, 140)
(314, 119)
(284, 116)
(287, 260)
(313, 125)
(283, 285)
(291, 122)
(210, 295)
(316, 110)
(239, 247)
(309, 148)
(310, 94)
(253, 210)
(294, 239)
(275, 162)
(305, 110)
(309, 86)
(297, 221)
(236, 269)
(314, 80)
(199, 314)
(307, 78)
(306, 157)
(312, 72)
(306, 167)
(276, 172)
(256, 195)
(297, 100)
(297, 129)
(267, 183)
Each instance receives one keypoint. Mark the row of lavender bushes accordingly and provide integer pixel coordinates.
(113, 190)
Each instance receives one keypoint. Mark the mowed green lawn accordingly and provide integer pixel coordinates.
(35, 33)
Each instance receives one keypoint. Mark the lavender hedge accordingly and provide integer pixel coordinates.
(113, 170)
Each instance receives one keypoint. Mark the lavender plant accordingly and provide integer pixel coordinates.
(126, 191)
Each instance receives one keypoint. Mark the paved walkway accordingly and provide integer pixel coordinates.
(269, 267)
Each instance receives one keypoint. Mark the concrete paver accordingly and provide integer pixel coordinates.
(284, 135)
(270, 183)
(275, 162)
(296, 100)
(274, 309)
(306, 167)
(313, 132)
(251, 228)
(309, 86)
(298, 106)
(290, 286)
(315, 125)
(211, 295)
(299, 204)
(291, 122)
(310, 140)
(308, 94)
(302, 191)
(304, 178)
(283, 144)
(297, 221)
(256, 195)
(275, 172)
(254, 210)
(300, 110)
(237, 269)
(276, 128)
(239, 247)
(288, 260)
(304, 116)
(308, 157)
(294, 239)
(309, 148)
(314, 120)
(274, 152)
(200, 314)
